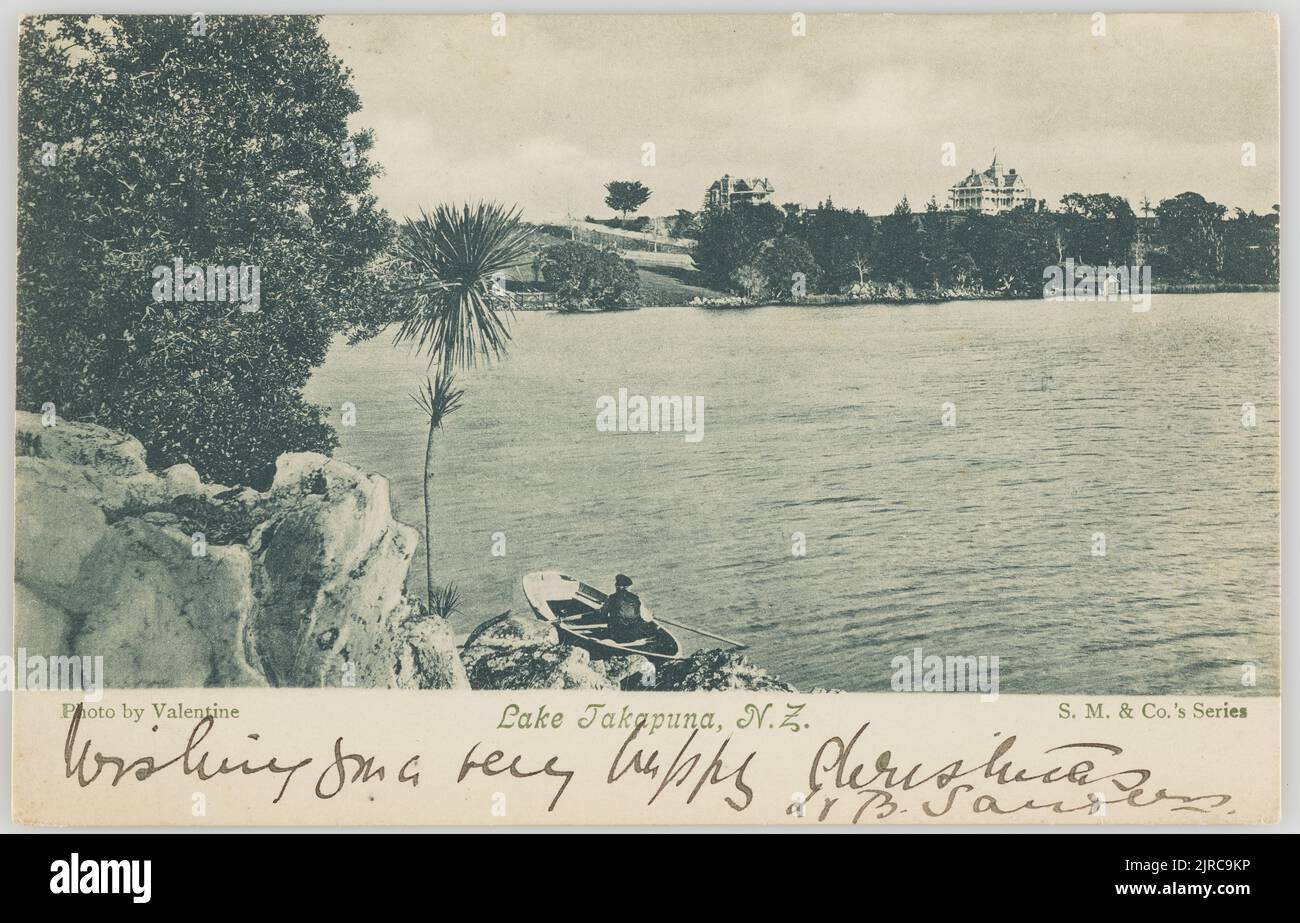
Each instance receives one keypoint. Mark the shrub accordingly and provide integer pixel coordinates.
(750, 281)
(781, 260)
(589, 278)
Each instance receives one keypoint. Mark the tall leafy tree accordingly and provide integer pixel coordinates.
(841, 241)
(217, 141)
(977, 238)
(1027, 244)
(942, 262)
(779, 262)
(626, 196)
(1190, 229)
(586, 278)
(898, 250)
(1099, 229)
(729, 239)
(684, 224)
(1250, 248)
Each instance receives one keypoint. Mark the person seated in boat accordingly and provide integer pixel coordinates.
(623, 609)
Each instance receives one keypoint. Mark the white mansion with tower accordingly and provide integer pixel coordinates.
(989, 192)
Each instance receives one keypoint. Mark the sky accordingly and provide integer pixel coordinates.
(858, 109)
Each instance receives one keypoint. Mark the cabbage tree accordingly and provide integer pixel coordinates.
(456, 311)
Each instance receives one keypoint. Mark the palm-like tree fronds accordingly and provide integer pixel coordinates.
(454, 257)
(438, 399)
(445, 601)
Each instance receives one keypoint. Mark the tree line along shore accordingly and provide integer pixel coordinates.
(764, 254)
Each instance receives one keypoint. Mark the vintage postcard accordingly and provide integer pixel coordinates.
(623, 419)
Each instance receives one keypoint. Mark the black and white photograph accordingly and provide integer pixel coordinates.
(497, 365)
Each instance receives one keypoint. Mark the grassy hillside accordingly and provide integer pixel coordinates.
(662, 283)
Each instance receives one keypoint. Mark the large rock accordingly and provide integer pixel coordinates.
(131, 589)
(524, 653)
(40, 626)
(59, 521)
(80, 444)
(632, 673)
(714, 670)
(331, 565)
(559, 667)
(180, 583)
(508, 630)
(426, 656)
(161, 615)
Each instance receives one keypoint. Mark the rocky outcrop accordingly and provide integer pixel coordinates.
(715, 670)
(329, 567)
(180, 583)
(525, 653)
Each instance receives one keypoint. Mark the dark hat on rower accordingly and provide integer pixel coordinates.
(622, 580)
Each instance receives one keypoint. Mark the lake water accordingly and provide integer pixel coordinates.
(978, 539)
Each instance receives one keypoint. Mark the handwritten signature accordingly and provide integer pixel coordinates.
(836, 771)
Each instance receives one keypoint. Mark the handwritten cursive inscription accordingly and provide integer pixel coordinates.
(680, 770)
(837, 771)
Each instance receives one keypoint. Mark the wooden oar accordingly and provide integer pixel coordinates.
(701, 631)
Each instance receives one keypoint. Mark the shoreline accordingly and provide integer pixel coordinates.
(849, 301)
(736, 303)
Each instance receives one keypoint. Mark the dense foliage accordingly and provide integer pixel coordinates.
(782, 268)
(941, 253)
(839, 240)
(585, 278)
(729, 239)
(216, 141)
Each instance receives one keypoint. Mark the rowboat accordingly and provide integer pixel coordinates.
(573, 607)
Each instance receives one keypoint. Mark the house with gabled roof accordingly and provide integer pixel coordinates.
(730, 190)
(990, 192)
